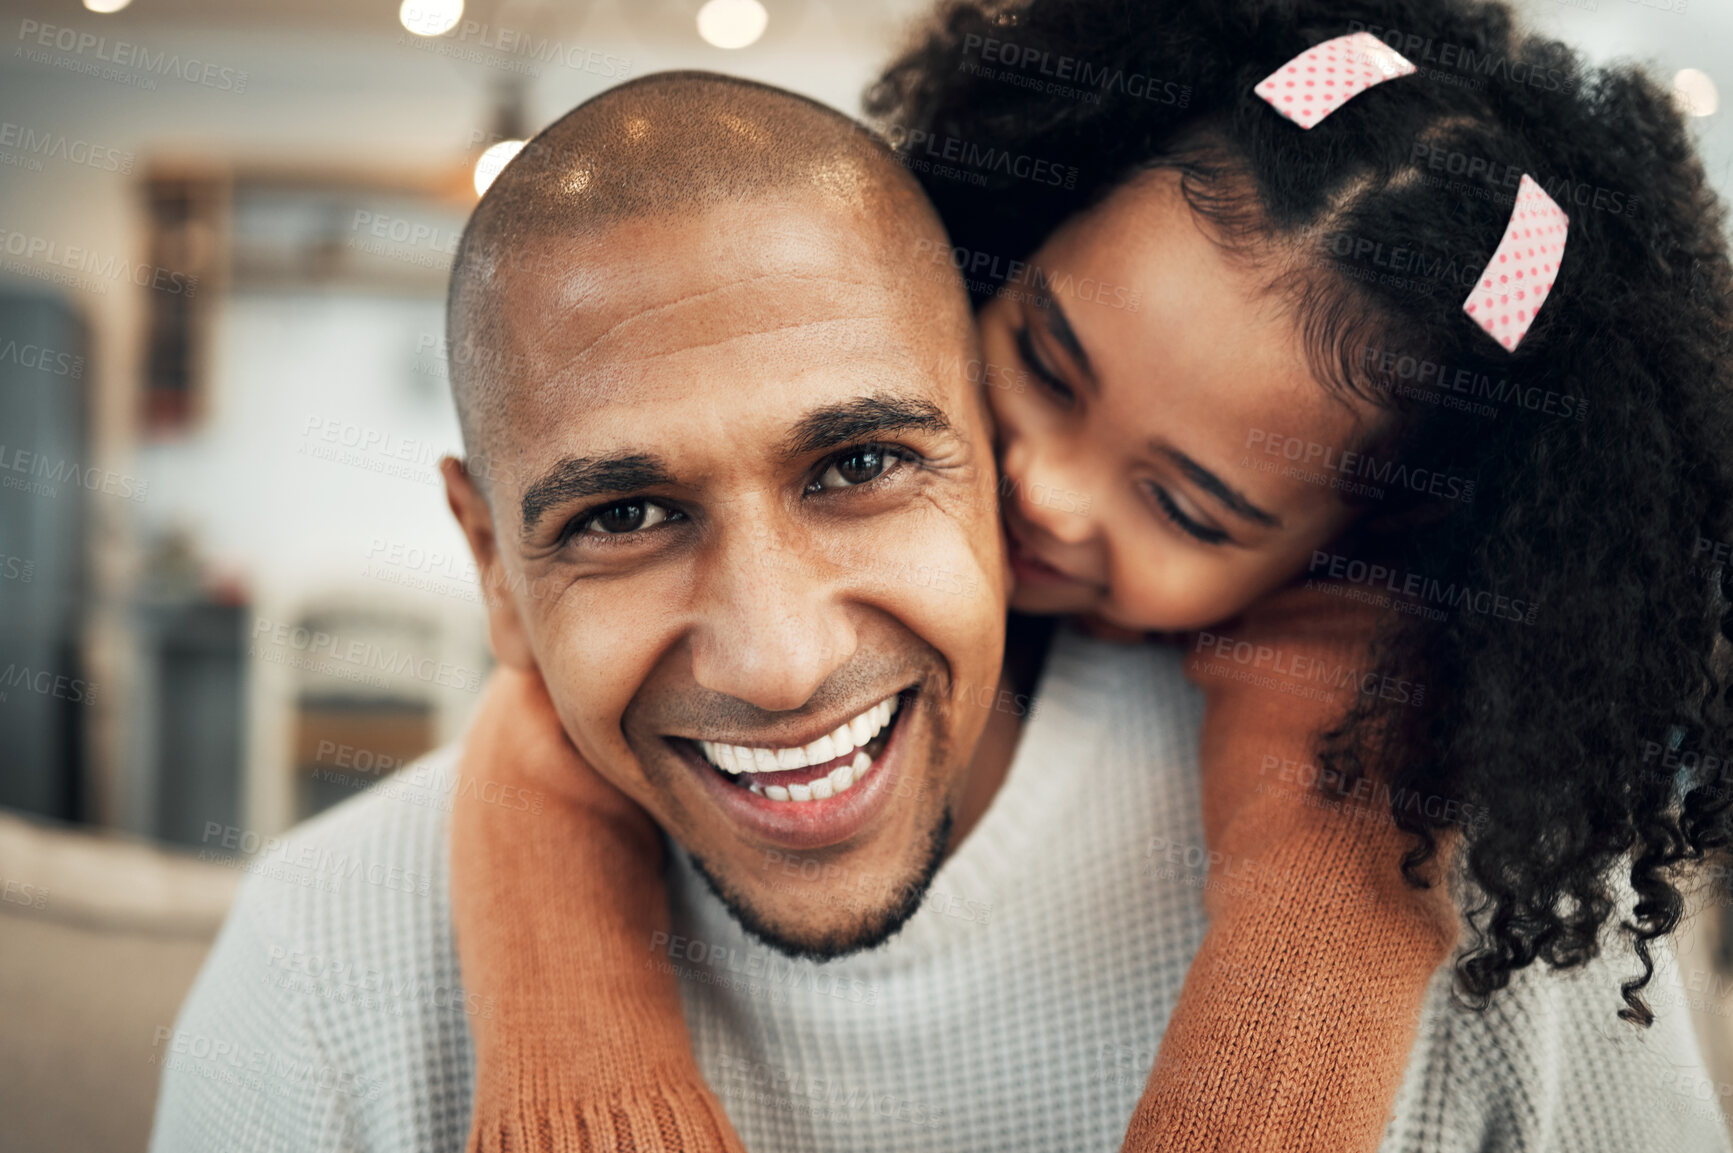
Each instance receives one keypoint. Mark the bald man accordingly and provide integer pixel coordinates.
(719, 440)
(722, 359)
(725, 458)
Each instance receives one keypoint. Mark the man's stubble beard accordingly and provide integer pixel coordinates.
(873, 928)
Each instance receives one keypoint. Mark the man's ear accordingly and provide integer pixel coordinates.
(506, 632)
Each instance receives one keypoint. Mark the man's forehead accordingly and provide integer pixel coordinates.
(645, 268)
(656, 309)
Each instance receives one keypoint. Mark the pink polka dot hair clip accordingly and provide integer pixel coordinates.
(1520, 274)
(1323, 77)
(1523, 266)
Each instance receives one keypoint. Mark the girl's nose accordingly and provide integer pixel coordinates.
(1042, 495)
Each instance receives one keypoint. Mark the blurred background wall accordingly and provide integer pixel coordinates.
(230, 592)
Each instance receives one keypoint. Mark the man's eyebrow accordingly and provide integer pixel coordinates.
(576, 477)
(1217, 487)
(862, 418)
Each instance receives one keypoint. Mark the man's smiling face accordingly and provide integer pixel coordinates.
(743, 503)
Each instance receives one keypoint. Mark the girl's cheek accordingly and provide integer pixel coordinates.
(999, 376)
(1003, 418)
(1173, 593)
(1011, 418)
(1142, 591)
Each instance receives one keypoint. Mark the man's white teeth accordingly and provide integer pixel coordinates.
(848, 737)
(839, 780)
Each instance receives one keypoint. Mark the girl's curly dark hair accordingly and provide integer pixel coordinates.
(1592, 733)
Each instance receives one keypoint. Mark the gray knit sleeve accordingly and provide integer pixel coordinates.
(1548, 1067)
(241, 1066)
(330, 1015)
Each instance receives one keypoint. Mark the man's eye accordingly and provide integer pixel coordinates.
(626, 516)
(858, 466)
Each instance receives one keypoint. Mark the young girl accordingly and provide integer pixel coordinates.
(1507, 543)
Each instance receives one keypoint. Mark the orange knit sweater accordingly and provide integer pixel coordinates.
(1293, 1027)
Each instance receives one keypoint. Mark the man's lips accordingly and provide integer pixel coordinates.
(765, 802)
(828, 748)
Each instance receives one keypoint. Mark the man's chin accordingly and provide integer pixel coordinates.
(865, 929)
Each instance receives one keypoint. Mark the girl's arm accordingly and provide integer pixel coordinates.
(556, 893)
(1298, 1015)
(1294, 1025)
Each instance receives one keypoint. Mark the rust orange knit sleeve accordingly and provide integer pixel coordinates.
(556, 895)
(1299, 1012)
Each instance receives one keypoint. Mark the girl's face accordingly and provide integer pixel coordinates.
(1149, 420)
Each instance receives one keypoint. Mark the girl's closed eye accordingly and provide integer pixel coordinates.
(1161, 498)
(1039, 368)
(1169, 507)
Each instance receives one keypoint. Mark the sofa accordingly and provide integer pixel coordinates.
(100, 939)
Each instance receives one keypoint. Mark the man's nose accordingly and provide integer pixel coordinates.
(775, 622)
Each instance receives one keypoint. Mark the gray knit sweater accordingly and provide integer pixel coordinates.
(1018, 1012)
